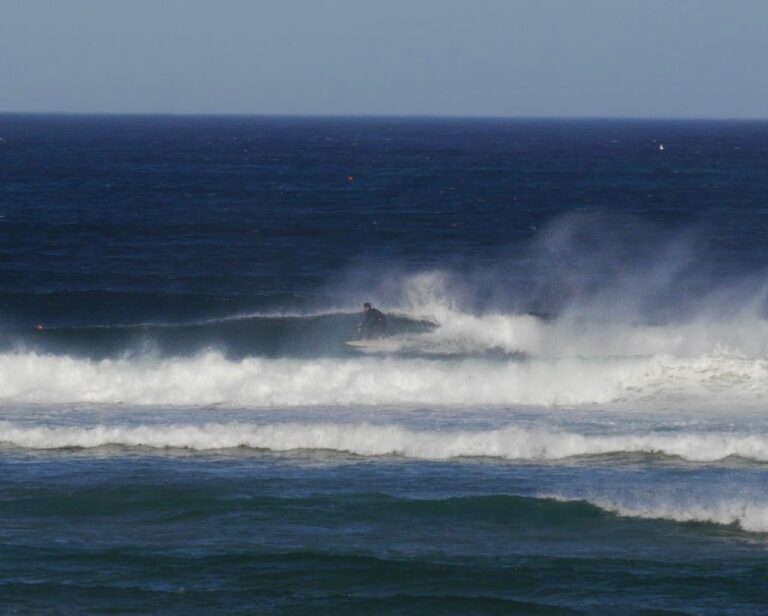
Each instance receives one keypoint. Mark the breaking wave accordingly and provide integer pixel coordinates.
(511, 443)
(721, 504)
(211, 378)
(749, 515)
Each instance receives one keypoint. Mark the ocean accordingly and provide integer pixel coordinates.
(569, 416)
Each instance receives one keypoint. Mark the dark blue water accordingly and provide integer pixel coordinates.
(568, 415)
(194, 216)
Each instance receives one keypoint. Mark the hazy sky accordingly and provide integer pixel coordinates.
(657, 58)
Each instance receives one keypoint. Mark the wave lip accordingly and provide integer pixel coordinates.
(511, 443)
(750, 516)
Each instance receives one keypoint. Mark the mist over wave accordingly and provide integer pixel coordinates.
(742, 332)
(588, 263)
(430, 323)
(577, 316)
(587, 284)
(590, 285)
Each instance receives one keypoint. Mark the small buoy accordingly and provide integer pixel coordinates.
(350, 178)
(39, 326)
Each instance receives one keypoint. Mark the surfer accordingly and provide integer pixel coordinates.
(374, 323)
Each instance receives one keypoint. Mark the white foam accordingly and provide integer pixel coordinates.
(605, 327)
(699, 503)
(512, 443)
(748, 514)
(211, 378)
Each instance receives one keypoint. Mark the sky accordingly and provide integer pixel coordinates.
(518, 58)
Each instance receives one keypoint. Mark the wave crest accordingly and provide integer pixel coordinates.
(751, 516)
(511, 443)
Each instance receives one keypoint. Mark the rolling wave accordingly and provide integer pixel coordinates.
(438, 355)
(746, 514)
(510, 443)
(720, 504)
(542, 510)
(211, 378)
(426, 318)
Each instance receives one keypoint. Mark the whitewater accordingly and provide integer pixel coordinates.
(382, 440)
(463, 360)
(449, 384)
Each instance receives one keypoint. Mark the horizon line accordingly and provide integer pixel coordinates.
(385, 116)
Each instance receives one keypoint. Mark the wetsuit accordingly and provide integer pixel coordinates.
(374, 324)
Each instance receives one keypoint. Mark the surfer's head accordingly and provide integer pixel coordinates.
(366, 306)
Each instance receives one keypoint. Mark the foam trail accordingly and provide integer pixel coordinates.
(512, 443)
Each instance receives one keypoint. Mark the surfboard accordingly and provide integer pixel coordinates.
(364, 344)
(391, 344)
